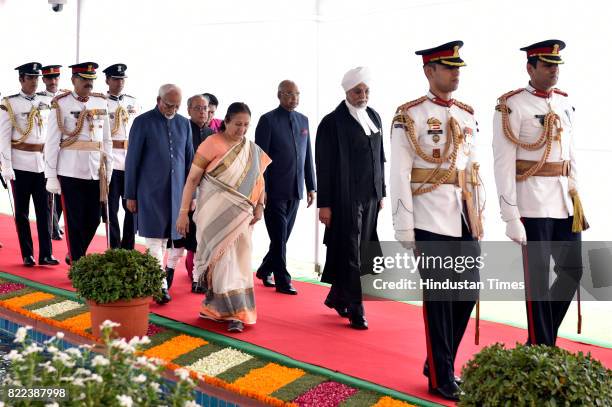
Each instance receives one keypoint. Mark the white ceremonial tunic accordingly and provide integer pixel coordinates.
(76, 163)
(131, 106)
(21, 105)
(439, 211)
(535, 197)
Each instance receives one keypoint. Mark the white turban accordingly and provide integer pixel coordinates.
(354, 77)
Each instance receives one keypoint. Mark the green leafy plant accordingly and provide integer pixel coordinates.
(535, 376)
(110, 375)
(117, 274)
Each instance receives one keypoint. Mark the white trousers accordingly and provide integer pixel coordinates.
(157, 249)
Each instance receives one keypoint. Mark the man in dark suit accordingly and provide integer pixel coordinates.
(350, 171)
(283, 134)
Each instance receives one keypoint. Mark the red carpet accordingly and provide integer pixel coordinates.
(391, 353)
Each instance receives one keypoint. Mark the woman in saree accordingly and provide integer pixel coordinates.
(227, 171)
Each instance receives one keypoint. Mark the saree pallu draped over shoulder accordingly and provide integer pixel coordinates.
(227, 196)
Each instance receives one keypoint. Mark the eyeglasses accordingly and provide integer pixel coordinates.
(170, 106)
(291, 94)
(200, 108)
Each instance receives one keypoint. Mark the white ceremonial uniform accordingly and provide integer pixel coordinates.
(21, 105)
(117, 105)
(77, 163)
(535, 197)
(441, 210)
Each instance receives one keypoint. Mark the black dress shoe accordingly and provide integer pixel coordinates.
(286, 290)
(56, 236)
(48, 261)
(29, 261)
(165, 298)
(358, 322)
(450, 391)
(458, 380)
(169, 276)
(267, 280)
(68, 260)
(197, 288)
(342, 311)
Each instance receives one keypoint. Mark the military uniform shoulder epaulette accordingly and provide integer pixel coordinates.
(560, 92)
(41, 93)
(401, 118)
(506, 96)
(97, 94)
(12, 96)
(58, 97)
(411, 104)
(465, 107)
(125, 95)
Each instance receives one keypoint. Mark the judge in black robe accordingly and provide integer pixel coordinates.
(350, 160)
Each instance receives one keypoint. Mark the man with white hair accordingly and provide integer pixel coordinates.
(156, 168)
(350, 160)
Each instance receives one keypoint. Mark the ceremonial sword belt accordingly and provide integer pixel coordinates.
(120, 144)
(82, 145)
(37, 148)
(457, 178)
(548, 169)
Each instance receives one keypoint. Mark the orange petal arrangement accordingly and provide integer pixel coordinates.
(218, 365)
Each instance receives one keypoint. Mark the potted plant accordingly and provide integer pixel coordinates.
(535, 376)
(118, 285)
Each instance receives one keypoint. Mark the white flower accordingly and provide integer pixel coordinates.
(74, 352)
(78, 382)
(52, 349)
(109, 324)
(155, 386)
(54, 404)
(139, 379)
(21, 334)
(99, 360)
(32, 348)
(96, 378)
(84, 372)
(50, 369)
(125, 401)
(14, 356)
(59, 335)
(86, 346)
(191, 403)
(182, 373)
(145, 340)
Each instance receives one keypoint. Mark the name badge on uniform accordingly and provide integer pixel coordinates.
(540, 118)
(435, 129)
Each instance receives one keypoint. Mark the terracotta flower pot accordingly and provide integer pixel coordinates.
(133, 315)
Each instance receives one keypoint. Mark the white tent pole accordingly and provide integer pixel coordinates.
(78, 31)
(317, 262)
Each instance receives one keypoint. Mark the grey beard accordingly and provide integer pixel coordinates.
(170, 117)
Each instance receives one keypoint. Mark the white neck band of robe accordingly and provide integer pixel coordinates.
(362, 117)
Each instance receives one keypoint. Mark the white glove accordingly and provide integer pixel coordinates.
(406, 238)
(515, 230)
(8, 174)
(53, 186)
